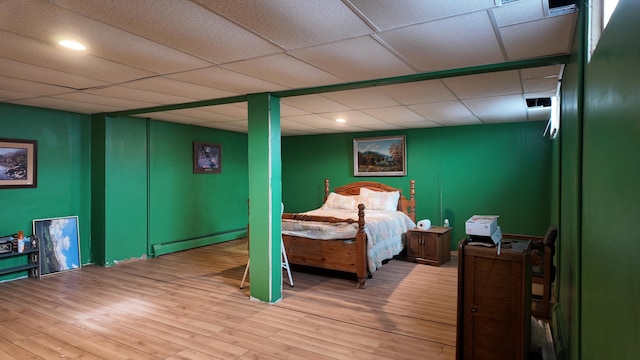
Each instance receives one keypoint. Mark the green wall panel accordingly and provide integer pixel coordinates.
(502, 169)
(63, 172)
(611, 201)
(184, 205)
(126, 189)
(570, 199)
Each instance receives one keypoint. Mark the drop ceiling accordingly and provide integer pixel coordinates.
(149, 53)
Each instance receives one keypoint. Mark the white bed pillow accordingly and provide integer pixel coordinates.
(337, 201)
(379, 200)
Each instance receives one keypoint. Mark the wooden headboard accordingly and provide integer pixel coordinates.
(405, 205)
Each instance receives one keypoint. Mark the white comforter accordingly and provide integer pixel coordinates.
(384, 231)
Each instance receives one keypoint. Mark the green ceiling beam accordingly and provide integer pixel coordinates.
(189, 105)
(471, 70)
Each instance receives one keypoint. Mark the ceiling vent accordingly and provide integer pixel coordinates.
(537, 103)
(562, 7)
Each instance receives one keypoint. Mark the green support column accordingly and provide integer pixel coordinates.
(265, 196)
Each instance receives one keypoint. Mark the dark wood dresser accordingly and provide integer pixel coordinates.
(494, 302)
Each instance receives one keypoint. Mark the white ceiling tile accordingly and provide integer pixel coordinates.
(446, 112)
(315, 121)
(161, 52)
(395, 114)
(103, 100)
(30, 87)
(49, 23)
(9, 95)
(204, 116)
(548, 36)
(172, 117)
(172, 87)
(221, 78)
(46, 55)
(234, 111)
(540, 85)
(484, 85)
(339, 59)
(541, 72)
(418, 124)
(21, 70)
(460, 41)
(315, 104)
(284, 70)
(68, 105)
(355, 118)
(286, 110)
(182, 25)
(534, 95)
(151, 98)
(324, 21)
(512, 108)
(388, 14)
(418, 92)
(366, 98)
(235, 126)
(518, 12)
(543, 114)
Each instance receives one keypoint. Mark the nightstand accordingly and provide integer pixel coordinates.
(431, 246)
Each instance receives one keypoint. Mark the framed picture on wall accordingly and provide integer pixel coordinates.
(380, 156)
(59, 244)
(18, 163)
(207, 158)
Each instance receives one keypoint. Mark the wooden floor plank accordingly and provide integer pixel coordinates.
(188, 305)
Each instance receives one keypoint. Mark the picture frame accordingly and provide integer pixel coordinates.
(207, 158)
(59, 244)
(18, 163)
(380, 156)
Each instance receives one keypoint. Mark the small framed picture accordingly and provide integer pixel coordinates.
(18, 163)
(380, 156)
(207, 158)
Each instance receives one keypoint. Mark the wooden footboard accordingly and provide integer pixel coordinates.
(348, 255)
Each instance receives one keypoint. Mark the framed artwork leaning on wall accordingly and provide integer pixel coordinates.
(59, 244)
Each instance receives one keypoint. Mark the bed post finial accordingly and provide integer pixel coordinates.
(326, 189)
(412, 199)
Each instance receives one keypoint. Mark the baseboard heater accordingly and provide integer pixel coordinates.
(186, 244)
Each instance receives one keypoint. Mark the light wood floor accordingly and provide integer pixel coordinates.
(188, 305)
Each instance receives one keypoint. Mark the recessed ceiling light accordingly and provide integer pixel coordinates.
(341, 120)
(73, 45)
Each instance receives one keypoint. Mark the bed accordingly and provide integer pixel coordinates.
(338, 235)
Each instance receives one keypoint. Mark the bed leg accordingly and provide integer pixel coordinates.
(361, 281)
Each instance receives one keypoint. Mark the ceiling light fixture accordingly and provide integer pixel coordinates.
(341, 120)
(73, 45)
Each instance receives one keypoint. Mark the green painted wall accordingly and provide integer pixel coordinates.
(610, 286)
(64, 187)
(129, 180)
(125, 201)
(502, 169)
(184, 205)
(566, 312)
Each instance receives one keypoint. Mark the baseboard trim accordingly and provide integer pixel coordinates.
(180, 245)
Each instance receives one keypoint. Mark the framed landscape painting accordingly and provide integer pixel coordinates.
(59, 244)
(18, 163)
(380, 156)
